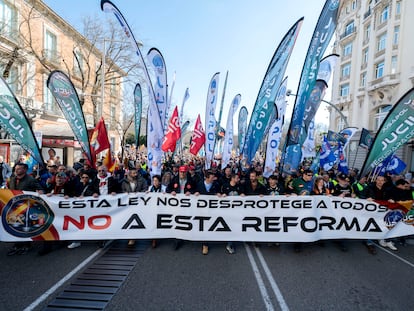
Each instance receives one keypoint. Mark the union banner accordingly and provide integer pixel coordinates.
(29, 216)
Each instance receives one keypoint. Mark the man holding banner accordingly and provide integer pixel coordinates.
(22, 181)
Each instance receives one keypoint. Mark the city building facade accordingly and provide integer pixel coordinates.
(34, 41)
(375, 68)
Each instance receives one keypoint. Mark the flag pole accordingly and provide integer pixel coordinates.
(356, 154)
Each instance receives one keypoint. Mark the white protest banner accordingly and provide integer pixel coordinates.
(28, 216)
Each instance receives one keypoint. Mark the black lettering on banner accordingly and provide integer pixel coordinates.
(284, 204)
(272, 224)
(321, 204)
(330, 221)
(162, 219)
(312, 220)
(220, 221)
(236, 203)
(307, 203)
(133, 201)
(249, 203)
(78, 204)
(120, 202)
(375, 228)
(346, 205)
(343, 223)
(103, 203)
(138, 224)
(145, 200)
(255, 225)
(262, 203)
(173, 202)
(64, 204)
(92, 202)
(186, 202)
(358, 206)
(201, 221)
(289, 222)
(162, 201)
(224, 203)
(296, 203)
(201, 203)
(185, 222)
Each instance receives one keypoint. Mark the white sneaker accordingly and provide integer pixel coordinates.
(391, 246)
(74, 245)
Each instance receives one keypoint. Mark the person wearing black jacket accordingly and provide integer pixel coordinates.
(182, 183)
(379, 191)
(253, 186)
(209, 186)
(87, 187)
(20, 180)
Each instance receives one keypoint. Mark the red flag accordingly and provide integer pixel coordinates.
(173, 133)
(99, 140)
(199, 137)
(109, 162)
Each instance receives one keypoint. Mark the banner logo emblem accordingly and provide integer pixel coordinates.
(27, 216)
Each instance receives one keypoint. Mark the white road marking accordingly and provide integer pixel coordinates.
(259, 279)
(276, 290)
(396, 256)
(51, 290)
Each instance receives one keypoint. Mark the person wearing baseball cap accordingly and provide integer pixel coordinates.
(182, 183)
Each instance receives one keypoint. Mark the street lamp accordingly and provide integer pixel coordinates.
(344, 118)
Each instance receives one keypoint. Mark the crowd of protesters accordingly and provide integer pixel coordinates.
(191, 178)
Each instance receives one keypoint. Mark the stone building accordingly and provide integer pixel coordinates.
(34, 41)
(375, 69)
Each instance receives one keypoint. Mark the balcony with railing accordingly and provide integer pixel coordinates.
(347, 33)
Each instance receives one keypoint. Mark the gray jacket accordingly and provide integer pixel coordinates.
(6, 173)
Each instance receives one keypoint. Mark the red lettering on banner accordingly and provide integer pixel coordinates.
(80, 224)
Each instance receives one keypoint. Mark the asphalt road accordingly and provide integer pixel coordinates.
(255, 278)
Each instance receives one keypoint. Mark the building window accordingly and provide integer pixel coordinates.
(365, 56)
(398, 8)
(112, 115)
(354, 5)
(347, 49)
(380, 115)
(367, 33)
(114, 89)
(349, 28)
(78, 62)
(341, 125)
(11, 77)
(363, 79)
(48, 99)
(396, 35)
(8, 20)
(382, 41)
(384, 14)
(379, 70)
(50, 46)
(344, 90)
(394, 61)
(346, 70)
